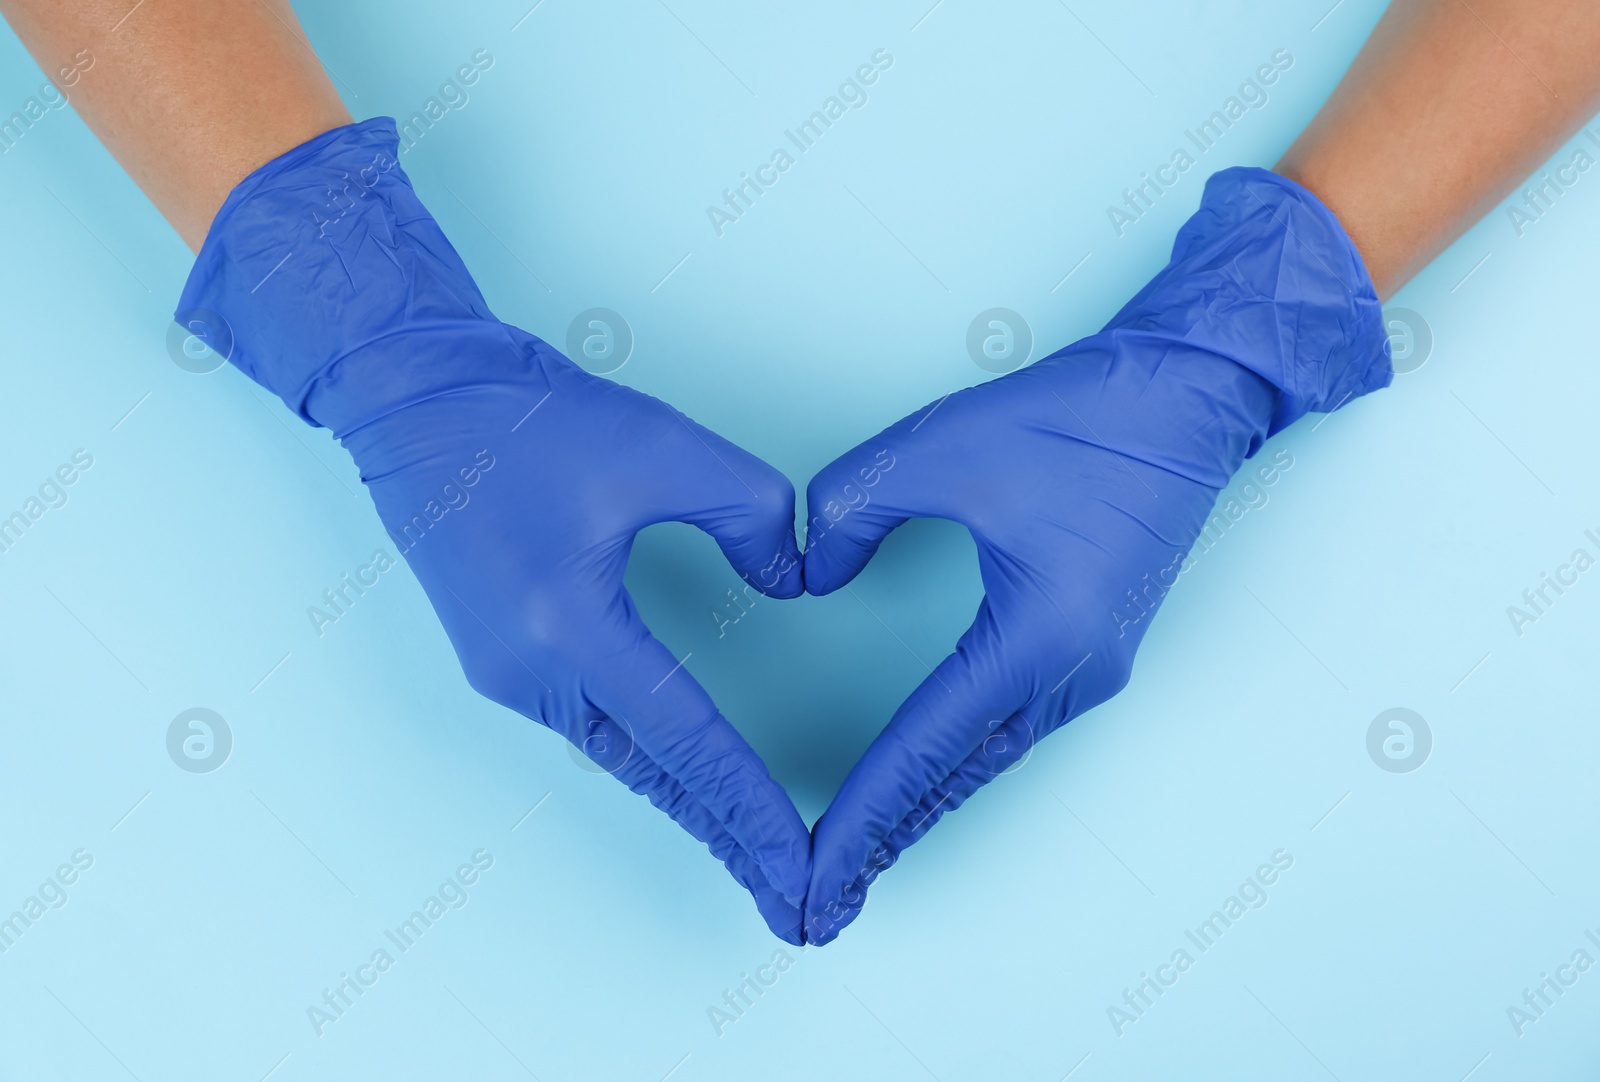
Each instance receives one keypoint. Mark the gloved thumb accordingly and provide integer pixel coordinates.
(746, 505)
(852, 504)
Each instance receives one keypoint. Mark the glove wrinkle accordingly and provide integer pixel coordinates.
(514, 506)
(1084, 479)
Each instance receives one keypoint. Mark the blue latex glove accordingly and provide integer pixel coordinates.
(1084, 480)
(512, 480)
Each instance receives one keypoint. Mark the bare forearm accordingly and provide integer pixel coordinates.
(188, 95)
(1448, 106)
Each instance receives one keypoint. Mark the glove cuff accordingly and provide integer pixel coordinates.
(1264, 275)
(323, 253)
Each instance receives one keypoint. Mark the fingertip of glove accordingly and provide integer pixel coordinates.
(818, 581)
(796, 887)
(779, 576)
(784, 919)
(819, 931)
(790, 584)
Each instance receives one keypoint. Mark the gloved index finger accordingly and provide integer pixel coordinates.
(745, 504)
(933, 732)
(680, 728)
(615, 753)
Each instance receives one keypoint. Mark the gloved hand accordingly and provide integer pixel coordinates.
(1084, 480)
(512, 480)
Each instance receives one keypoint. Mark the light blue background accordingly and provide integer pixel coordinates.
(364, 770)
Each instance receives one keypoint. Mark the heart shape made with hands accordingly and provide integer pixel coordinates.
(1083, 478)
(1082, 522)
(1082, 516)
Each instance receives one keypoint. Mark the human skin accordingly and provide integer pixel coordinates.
(1450, 104)
(1446, 108)
(189, 96)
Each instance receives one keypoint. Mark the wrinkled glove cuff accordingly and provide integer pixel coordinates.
(1264, 275)
(322, 257)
